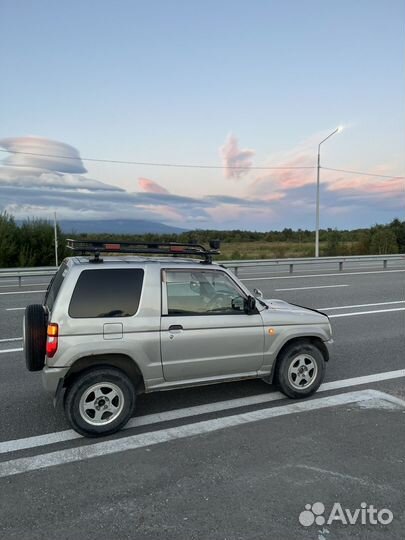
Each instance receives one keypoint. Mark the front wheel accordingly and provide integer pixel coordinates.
(99, 402)
(300, 370)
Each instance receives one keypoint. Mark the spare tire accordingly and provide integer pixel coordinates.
(35, 322)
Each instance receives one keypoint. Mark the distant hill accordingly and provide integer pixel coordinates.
(117, 226)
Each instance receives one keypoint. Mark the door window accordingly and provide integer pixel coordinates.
(194, 292)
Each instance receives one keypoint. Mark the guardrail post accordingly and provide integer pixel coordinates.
(235, 270)
(19, 281)
(385, 264)
(291, 268)
(340, 266)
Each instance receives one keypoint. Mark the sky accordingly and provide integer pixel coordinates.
(220, 83)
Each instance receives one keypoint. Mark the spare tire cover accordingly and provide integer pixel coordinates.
(35, 337)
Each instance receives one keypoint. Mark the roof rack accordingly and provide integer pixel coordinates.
(174, 249)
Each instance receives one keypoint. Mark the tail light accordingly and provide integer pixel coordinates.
(52, 340)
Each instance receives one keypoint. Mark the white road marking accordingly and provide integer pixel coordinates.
(178, 414)
(146, 420)
(11, 350)
(104, 448)
(11, 339)
(361, 305)
(318, 287)
(365, 312)
(21, 292)
(14, 308)
(364, 379)
(341, 274)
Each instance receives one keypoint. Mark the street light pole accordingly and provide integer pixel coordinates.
(318, 169)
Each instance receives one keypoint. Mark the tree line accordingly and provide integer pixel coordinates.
(31, 243)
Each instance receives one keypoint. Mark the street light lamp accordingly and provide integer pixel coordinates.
(337, 130)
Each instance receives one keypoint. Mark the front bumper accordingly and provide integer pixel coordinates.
(51, 378)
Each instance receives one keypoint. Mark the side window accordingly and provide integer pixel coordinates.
(54, 286)
(195, 292)
(106, 293)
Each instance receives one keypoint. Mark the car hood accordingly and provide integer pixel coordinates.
(281, 312)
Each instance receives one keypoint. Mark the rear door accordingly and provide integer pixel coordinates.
(204, 329)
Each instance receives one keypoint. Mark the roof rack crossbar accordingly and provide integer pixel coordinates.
(95, 247)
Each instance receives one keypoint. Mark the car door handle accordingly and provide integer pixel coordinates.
(174, 327)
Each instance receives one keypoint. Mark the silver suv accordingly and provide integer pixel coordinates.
(114, 328)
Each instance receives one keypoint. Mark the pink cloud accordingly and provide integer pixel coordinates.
(277, 196)
(302, 155)
(386, 187)
(233, 156)
(150, 186)
(163, 212)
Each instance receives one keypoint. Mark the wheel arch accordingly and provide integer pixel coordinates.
(314, 340)
(118, 361)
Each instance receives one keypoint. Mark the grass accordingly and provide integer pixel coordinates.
(275, 250)
(265, 250)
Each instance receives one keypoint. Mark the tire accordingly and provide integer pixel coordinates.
(300, 370)
(99, 401)
(34, 330)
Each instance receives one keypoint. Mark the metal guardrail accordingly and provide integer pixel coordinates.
(44, 271)
(340, 261)
(4, 273)
(25, 270)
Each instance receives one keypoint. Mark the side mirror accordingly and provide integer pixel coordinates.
(258, 293)
(250, 304)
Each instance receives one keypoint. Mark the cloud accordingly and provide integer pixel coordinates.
(51, 159)
(150, 186)
(164, 212)
(280, 180)
(367, 186)
(343, 195)
(275, 200)
(233, 156)
(51, 180)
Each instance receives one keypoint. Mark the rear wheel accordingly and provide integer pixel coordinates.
(99, 401)
(300, 369)
(34, 330)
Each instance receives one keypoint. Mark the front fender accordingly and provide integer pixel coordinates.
(276, 337)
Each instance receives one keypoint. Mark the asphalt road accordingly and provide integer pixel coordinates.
(231, 461)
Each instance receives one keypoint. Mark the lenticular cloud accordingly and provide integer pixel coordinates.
(55, 156)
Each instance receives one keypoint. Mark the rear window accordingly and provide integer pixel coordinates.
(107, 293)
(55, 285)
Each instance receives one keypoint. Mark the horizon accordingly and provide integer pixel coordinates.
(50, 221)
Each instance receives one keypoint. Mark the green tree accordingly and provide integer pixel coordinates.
(333, 243)
(9, 241)
(383, 242)
(37, 244)
(398, 228)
